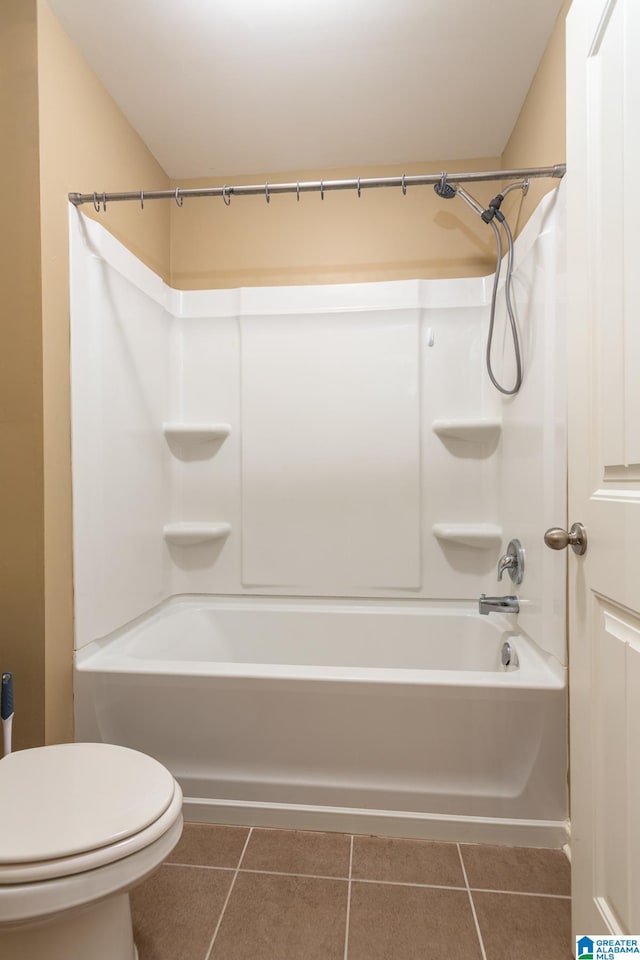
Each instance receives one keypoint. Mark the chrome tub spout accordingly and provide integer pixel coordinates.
(498, 604)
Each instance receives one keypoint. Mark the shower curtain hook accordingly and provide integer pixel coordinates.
(266, 192)
(322, 189)
(404, 187)
(142, 199)
(104, 202)
(298, 191)
(443, 182)
(358, 188)
(225, 197)
(96, 202)
(179, 200)
(525, 188)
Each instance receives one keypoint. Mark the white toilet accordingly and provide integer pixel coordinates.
(80, 825)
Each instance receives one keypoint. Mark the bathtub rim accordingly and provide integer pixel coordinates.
(538, 669)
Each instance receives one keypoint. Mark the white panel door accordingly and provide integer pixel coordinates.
(603, 195)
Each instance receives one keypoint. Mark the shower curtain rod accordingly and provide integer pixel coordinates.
(314, 186)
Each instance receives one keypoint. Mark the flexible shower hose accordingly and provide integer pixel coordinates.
(510, 313)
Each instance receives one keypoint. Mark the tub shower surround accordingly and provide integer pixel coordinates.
(286, 503)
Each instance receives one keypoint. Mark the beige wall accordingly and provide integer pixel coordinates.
(382, 236)
(85, 142)
(61, 132)
(21, 459)
(538, 137)
(341, 239)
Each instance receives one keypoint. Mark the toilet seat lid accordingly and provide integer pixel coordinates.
(71, 798)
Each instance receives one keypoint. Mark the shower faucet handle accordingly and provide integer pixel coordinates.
(512, 562)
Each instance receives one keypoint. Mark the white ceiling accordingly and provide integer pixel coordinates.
(218, 87)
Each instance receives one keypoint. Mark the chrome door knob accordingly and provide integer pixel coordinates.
(576, 538)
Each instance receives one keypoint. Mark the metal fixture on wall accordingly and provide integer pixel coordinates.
(490, 214)
(498, 604)
(512, 562)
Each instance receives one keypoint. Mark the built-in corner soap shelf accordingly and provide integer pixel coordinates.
(190, 534)
(479, 536)
(486, 430)
(196, 432)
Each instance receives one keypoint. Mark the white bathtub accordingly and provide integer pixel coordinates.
(368, 716)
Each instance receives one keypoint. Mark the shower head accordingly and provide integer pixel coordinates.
(447, 191)
(444, 190)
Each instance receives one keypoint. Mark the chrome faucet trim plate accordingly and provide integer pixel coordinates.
(512, 562)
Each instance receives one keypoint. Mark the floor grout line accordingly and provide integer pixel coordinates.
(270, 873)
(472, 904)
(199, 866)
(404, 883)
(522, 893)
(346, 930)
(281, 873)
(228, 897)
(244, 849)
(391, 883)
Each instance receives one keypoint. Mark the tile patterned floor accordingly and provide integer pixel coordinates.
(236, 893)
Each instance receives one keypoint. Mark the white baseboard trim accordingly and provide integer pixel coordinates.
(387, 823)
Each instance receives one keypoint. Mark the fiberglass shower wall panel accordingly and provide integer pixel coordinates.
(206, 474)
(460, 474)
(331, 451)
(120, 340)
(533, 465)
